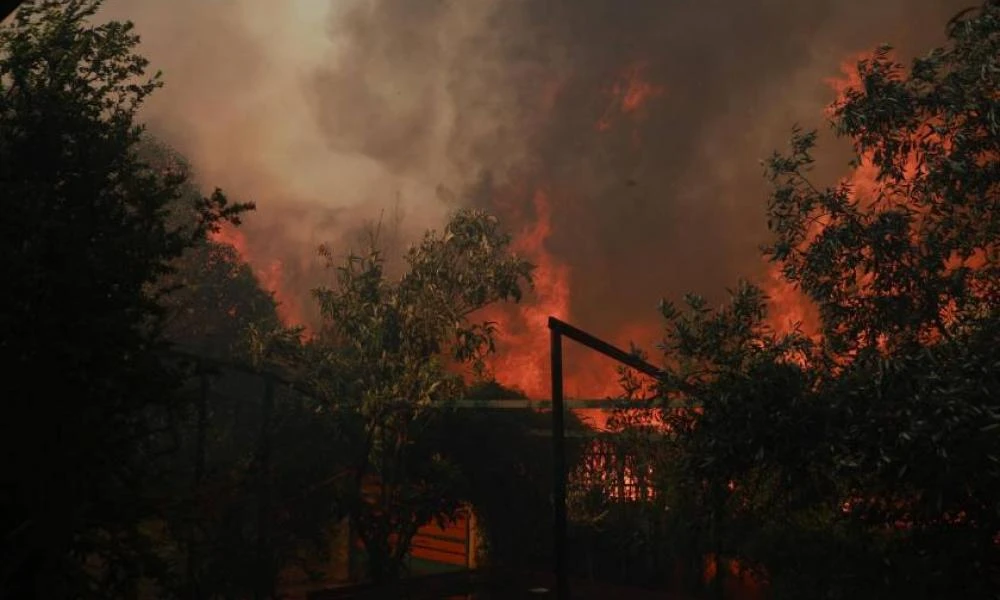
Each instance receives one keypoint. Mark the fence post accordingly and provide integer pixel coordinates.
(557, 330)
(558, 466)
(265, 587)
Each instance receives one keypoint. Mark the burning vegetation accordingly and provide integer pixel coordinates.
(641, 128)
(226, 403)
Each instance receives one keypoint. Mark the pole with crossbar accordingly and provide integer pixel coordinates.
(558, 329)
(558, 466)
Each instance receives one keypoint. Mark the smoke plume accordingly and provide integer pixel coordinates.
(640, 125)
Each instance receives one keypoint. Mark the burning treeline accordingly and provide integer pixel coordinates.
(619, 142)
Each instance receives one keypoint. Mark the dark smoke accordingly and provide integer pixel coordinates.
(326, 123)
(683, 209)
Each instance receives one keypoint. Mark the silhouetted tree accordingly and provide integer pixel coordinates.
(385, 357)
(87, 238)
(864, 464)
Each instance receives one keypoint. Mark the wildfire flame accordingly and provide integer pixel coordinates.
(269, 273)
(789, 307)
(629, 95)
(788, 304)
(522, 357)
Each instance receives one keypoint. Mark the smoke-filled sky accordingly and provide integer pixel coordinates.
(643, 120)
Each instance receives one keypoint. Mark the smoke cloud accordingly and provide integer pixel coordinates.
(644, 120)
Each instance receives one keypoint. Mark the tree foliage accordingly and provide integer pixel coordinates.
(913, 254)
(214, 302)
(863, 463)
(218, 303)
(860, 462)
(386, 354)
(86, 241)
(252, 489)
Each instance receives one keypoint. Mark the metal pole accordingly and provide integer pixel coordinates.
(582, 337)
(559, 468)
(557, 330)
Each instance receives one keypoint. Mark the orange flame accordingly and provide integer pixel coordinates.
(788, 306)
(271, 278)
(629, 94)
(522, 356)
(522, 359)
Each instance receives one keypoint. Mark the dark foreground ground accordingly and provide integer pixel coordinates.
(485, 586)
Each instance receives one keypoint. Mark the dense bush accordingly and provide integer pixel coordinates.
(863, 462)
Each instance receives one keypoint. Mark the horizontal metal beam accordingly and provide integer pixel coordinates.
(520, 404)
(571, 434)
(582, 337)
(591, 434)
